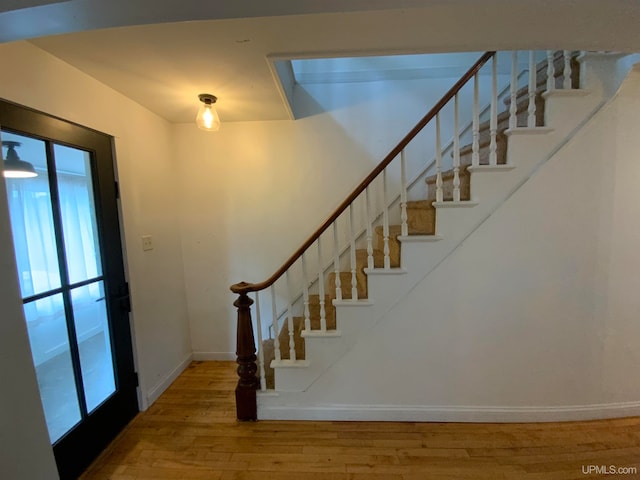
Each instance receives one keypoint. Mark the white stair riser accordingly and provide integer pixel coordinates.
(564, 112)
(453, 223)
(323, 351)
(491, 187)
(526, 151)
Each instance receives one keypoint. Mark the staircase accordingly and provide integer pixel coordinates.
(327, 313)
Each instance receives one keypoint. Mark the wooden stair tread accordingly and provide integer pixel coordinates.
(424, 204)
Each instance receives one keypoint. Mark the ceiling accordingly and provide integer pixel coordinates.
(375, 68)
(162, 54)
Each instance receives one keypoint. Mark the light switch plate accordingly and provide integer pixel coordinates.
(147, 243)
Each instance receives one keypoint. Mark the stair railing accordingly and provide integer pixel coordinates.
(395, 202)
(248, 382)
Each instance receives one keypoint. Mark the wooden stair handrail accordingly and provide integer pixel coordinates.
(244, 287)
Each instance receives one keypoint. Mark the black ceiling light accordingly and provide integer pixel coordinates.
(13, 167)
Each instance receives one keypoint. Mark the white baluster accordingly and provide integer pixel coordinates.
(493, 121)
(439, 195)
(336, 261)
(305, 295)
(456, 149)
(274, 325)
(475, 144)
(323, 313)
(513, 106)
(531, 119)
(566, 73)
(352, 256)
(292, 342)
(385, 221)
(403, 195)
(370, 263)
(263, 377)
(551, 71)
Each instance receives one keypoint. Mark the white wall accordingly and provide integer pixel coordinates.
(621, 329)
(254, 191)
(538, 309)
(147, 173)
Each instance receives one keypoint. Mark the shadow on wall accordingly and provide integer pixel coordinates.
(304, 104)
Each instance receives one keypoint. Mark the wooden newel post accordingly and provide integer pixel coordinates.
(248, 383)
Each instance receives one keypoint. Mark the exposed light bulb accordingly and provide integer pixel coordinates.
(207, 118)
(18, 174)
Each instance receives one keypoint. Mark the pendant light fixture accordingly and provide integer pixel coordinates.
(13, 167)
(207, 118)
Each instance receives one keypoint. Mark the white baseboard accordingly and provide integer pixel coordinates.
(163, 384)
(213, 356)
(399, 413)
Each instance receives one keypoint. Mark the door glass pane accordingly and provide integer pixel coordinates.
(48, 336)
(32, 218)
(94, 343)
(73, 169)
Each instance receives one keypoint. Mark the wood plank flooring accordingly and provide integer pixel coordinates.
(190, 433)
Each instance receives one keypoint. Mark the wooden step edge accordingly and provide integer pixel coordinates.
(452, 204)
(419, 238)
(352, 303)
(385, 271)
(491, 168)
(420, 204)
(571, 92)
(528, 131)
(321, 334)
(289, 363)
(396, 233)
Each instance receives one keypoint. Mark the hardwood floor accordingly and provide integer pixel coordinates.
(190, 433)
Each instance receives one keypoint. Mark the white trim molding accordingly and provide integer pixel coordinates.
(213, 356)
(164, 383)
(440, 413)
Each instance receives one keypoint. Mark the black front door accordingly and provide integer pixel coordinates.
(62, 199)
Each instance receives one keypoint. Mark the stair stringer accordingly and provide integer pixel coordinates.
(527, 149)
